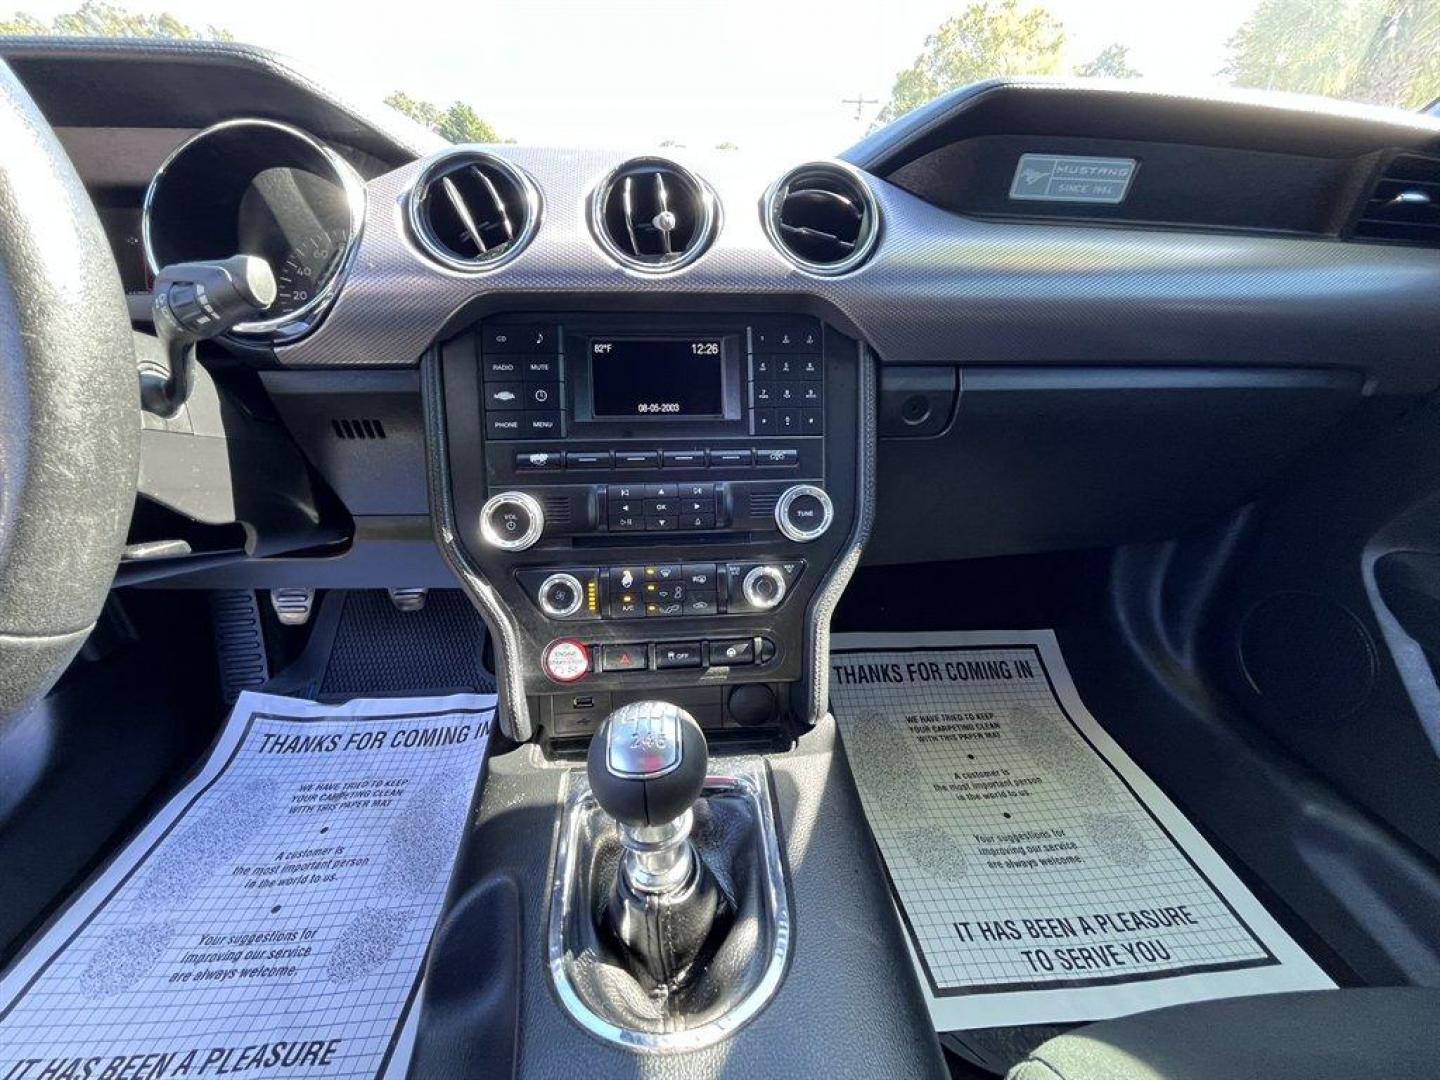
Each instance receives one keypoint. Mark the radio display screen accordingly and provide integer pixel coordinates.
(641, 377)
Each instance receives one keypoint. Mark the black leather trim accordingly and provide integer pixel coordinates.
(70, 421)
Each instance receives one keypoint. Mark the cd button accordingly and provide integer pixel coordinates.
(504, 396)
(522, 338)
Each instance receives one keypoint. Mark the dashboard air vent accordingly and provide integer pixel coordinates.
(822, 217)
(473, 211)
(653, 216)
(1404, 205)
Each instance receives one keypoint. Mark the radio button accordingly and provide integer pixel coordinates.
(504, 425)
(731, 459)
(504, 396)
(502, 369)
(637, 459)
(542, 425)
(537, 461)
(787, 458)
(587, 459)
(684, 459)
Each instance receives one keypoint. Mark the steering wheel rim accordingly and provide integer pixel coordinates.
(69, 407)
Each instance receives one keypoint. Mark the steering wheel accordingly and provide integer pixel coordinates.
(69, 407)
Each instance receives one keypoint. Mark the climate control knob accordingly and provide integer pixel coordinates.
(511, 521)
(804, 512)
(560, 595)
(763, 587)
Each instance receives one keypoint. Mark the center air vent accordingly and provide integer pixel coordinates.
(1404, 205)
(473, 211)
(653, 216)
(822, 217)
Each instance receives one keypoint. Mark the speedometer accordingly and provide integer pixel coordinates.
(256, 187)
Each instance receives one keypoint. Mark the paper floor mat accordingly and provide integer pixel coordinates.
(1040, 875)
(273, 918)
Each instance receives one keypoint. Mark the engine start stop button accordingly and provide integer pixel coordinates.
(566, 660)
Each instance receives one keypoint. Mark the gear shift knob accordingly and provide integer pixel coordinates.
(647, 764)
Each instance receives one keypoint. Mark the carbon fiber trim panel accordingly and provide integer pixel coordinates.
(939, 288)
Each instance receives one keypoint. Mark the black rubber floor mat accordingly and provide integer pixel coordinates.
(361, 645)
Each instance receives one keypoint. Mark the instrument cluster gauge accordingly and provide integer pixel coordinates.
(262, 188)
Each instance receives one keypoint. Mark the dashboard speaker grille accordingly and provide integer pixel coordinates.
(472, 211)
(653, 216)
(823, 217)
(1404, 205)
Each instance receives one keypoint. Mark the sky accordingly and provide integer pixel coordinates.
(768, 75)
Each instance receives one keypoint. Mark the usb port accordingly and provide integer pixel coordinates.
(582, 701)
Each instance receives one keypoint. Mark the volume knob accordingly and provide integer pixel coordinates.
(804, 512)
(511, 521)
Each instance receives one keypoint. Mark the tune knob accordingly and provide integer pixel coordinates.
(804, 512)
(763, 587)
(511, 521)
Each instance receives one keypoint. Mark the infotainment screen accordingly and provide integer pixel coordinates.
(631, 377)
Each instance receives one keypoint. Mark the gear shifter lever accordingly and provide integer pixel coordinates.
(647, 765)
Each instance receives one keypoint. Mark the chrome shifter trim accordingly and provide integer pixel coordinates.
(747, 780)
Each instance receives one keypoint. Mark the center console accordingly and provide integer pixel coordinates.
(654, 503)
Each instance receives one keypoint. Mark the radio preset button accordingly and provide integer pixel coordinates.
(730, 459)
(587, 459)
(637, 459)
(684, 459)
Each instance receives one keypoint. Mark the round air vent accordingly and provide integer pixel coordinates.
(822, 217)
(472, 211)
(653, 216)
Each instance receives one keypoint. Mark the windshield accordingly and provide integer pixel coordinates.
(799, 79)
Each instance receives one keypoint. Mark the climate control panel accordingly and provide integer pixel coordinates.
(660, 590)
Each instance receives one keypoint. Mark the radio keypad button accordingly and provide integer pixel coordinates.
(809, 393)
(788, 394)
(810, 367)
(763, 367)
(764, 421)
(787, 421)
(764, 394)
(812, 422)
(731, 459)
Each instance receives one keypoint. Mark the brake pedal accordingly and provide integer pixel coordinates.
(292, 606)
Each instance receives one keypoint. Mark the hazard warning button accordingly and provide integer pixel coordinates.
(624, 658)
